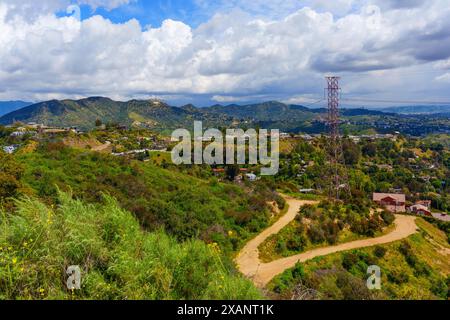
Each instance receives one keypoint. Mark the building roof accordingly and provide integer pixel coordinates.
(420, 207)
(396, 196)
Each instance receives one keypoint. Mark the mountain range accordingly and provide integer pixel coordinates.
(160, 116)
(428, 109)
(10, 106)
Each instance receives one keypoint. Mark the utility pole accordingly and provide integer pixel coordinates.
(335, 151)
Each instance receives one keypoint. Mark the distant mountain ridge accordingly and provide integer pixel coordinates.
(84, 113)
(10, 106)
(159, 116)
(431, 109)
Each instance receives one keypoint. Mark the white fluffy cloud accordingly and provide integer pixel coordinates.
(232, 56)
(32, 9)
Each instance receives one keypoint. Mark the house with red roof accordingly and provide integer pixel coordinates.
(393, 202)
(420, 209)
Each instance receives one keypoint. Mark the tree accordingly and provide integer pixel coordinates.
(352, 153)
(98, 123)
(369, 149)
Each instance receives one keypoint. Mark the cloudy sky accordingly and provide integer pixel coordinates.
(388, 52)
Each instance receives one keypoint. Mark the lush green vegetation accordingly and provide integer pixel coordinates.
(157, 115)
(185, 206)
(324, 224)
(420, 169)
(149, 229)
(118, 260)
(411, 269)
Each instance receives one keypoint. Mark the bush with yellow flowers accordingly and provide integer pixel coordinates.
(116, 258)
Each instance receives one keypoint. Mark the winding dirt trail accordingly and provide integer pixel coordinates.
(261, 273)
(102, 147)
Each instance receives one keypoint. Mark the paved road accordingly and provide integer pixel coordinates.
(261, 273)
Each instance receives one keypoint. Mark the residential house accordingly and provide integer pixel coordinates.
(393, 202)
(426, 203)
(420, 209)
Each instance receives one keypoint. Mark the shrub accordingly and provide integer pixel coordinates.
(379, 251)
(352, 288)
(349, 260)
(296, 243)
(398, 277)
(298, 272)
(439, 288)
(406, 250)
(387, 217)
(316, 233)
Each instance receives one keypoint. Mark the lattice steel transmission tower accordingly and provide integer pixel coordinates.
(337, 180)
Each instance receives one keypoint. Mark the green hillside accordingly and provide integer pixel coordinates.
(162, 117)
(84, 113)
(413, 269)
(118, 260)
(185, 206)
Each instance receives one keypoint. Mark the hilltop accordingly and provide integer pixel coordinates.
(159, 116)
(83, 113)
(10, 106)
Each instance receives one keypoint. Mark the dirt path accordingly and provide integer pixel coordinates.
(261, 273)
(102, 147)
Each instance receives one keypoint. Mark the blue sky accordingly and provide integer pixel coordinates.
(225, 51)
(152, 13)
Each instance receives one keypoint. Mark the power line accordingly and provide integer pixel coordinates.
(314, 103)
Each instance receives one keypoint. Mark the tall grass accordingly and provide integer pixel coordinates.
(118, 260)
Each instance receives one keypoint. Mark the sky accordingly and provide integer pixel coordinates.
(387, 52)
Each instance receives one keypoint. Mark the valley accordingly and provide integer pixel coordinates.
(259, 236)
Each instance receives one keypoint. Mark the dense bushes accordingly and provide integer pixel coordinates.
(323, 224)
(10, 175)
(319, 284)
(329, 219)
(185, 206)
(117, 259)
(405, 274)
